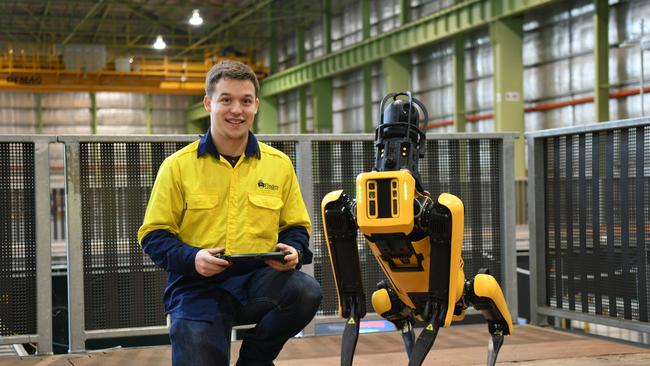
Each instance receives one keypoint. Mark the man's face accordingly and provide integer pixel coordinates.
(232, 107)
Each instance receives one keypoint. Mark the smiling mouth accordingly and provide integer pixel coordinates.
(235, 122)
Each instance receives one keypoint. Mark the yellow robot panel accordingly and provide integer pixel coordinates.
(385, 202)
(381, 301)
(456, 273)
(404, 282)
(331, 197)
(487, 286)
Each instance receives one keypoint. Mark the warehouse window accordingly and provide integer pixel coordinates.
(384, 16)
(422, 8)
(346, 25)
(347, 103)
(287, 56)
(314, 42)
(432, 82)
(288, 112)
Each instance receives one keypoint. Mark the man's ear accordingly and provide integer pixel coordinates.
(206, 103)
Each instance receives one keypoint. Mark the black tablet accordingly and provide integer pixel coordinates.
(234, 258)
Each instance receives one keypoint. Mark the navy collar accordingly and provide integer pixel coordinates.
(207, 146)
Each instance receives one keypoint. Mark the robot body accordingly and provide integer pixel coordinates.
(416, 241)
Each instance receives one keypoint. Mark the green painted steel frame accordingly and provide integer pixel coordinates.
(454, 20)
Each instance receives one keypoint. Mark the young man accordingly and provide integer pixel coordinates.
(228, 193)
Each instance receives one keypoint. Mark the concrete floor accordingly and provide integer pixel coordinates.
(459, 345)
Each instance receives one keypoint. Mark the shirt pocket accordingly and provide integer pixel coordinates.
(201, 201)
(201, 213)
(264, 215)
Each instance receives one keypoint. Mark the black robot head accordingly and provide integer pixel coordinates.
(398, 139)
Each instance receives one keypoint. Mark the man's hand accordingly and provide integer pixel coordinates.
(207, 265)
(291, 259)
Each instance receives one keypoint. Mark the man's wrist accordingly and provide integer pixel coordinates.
(299, 265)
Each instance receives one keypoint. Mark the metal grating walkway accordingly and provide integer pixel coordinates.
(460, 345)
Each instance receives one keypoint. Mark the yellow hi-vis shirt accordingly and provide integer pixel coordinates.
(207, 203)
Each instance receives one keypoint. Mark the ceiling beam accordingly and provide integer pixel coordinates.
(101, 21)
(142, 13)
(222, 27)
(39, 21)
(92, 12)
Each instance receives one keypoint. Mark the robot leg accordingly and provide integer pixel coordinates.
(485, 295)
(341, 235)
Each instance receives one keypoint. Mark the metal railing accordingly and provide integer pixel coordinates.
(588, 201)
(114, 290)
(25, 259)
(107, 172)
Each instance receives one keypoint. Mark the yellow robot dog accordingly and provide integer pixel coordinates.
(417, 242)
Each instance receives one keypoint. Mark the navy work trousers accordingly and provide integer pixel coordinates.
(281, 304)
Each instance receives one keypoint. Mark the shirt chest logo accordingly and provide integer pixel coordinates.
(267, 186)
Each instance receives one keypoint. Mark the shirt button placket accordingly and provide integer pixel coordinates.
(233, 207)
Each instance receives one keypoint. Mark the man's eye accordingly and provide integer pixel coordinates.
(224, 100)
(247, 102)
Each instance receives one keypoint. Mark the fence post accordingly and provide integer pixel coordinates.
(508, 223)
(43, 246)
(76, 315)
(304, 167)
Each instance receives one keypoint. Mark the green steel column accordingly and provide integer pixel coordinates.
(397, 73)
(321, 91)
(404, 11)
(148, 110)
(39, 112)
(507, 40)
(365, 19)
(459, 84)
(302, 93)
(273, 45)
(93, 113)
(367, 69)
(194, 127)
(302, 109)
(194, 118)
(601, 60)
(300, 45)
(327, 26)
(267, 115)
(367, 99)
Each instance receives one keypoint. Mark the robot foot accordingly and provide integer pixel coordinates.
(349, 340)
(496, 341)
(424, 343)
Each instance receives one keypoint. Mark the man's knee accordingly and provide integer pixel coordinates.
(307, 292)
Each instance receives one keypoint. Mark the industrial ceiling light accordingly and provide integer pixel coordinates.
(196, 19)
(160, 44)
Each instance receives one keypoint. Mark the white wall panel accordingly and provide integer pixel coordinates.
(120, 117)
(65, 100)
(66, 117)
(17, 100)
(119, 100)
(10, 116)
(169, 101)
